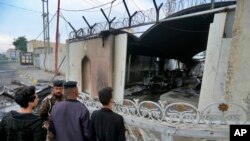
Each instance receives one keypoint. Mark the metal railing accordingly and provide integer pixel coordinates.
(163, 121)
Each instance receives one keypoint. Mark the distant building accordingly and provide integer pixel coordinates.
(44, 58)
(13, 54)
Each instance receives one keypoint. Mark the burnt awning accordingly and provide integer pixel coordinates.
(179, 39)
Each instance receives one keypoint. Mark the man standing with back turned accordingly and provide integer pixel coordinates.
(105, 124)
(23, 125)
(69, 119)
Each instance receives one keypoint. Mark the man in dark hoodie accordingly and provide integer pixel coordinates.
(22, 125)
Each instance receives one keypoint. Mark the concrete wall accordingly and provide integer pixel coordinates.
(214, 76)
(95, 64)
(238, 78)
(48, 59)
(120, 54)
(100, 56)
(34, 44)
(226, 76)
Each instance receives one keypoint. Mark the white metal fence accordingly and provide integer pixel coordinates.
(151, 121)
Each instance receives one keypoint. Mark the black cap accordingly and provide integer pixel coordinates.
(69, 84)
(58, 83)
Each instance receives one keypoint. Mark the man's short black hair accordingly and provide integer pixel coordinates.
(105, 95)
(24, 95)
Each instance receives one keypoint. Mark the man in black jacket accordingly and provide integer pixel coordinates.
(69, 119)
(22, 125)
(105, 124)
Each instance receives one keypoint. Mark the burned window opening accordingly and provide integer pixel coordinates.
(150, 77)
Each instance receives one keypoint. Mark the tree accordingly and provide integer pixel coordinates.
(20, 43)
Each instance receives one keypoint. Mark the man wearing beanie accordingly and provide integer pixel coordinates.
(48, 102)
(69, 119)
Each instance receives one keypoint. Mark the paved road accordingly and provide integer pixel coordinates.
(13, 74)
(10, 77)
(8, 73)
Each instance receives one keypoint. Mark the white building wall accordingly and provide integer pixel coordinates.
(31, 45)
(226, 75)
(50, 60)
(238, 78)
(213, 81)
(75, 54)
(107, 59)
(120, 53)
(100, 55)
(62, 59)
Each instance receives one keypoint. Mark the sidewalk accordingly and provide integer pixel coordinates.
(34, 75)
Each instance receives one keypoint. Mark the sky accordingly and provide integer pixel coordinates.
(24, 17)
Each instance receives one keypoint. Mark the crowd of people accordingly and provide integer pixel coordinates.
(61, 117)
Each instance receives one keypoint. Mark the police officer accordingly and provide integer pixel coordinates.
(50, 100)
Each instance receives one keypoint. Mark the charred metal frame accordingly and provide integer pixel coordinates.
(157, 9)
(129, 15)
(138, 18)
(109, 21)
(90, 26)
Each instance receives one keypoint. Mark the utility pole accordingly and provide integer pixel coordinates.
(57, 36)
(46, 37)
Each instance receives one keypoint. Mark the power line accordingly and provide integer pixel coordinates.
(66, 22)
(2, 3)
(98, 2)
(71, 10)
(109, 13)
(90, 3)
(94, 2)
(108, 8)
(46, 27)
(63, 17)
(31, 10)
(136, 5)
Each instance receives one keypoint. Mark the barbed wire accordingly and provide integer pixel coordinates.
(142, 17)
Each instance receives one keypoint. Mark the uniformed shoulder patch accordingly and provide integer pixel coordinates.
(48, 97)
